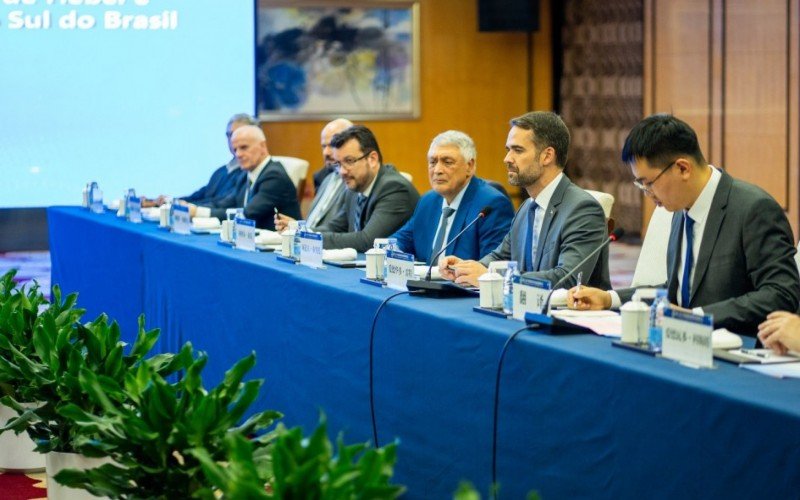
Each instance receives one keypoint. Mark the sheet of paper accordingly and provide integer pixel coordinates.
(781, 370)
(605, 323)
(764, 356)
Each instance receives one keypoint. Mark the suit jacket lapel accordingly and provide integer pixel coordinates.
(716, 215)
(460, 217)
(549, 215)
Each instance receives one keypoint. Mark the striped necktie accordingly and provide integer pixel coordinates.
(439, 241)
(361, 202)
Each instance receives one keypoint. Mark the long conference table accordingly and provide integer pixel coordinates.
(578, 418)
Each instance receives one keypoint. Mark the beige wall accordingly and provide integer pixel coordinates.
(730, 69)
(470, 81)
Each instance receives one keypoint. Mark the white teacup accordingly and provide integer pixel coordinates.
(375, 261)
(635, 322)
(287, 241)
(491, 290)
(227, 230)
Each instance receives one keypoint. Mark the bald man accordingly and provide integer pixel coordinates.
(267, 186)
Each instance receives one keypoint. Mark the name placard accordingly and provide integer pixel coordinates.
(244, 236)
(311, 249)
(135, 209)
(530, 295)
(687, 338)
(181, 222)
(399, 269)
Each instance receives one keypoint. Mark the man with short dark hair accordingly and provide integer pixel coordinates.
(378, 200)
(731, 251)
(558, 226)
(456, 198)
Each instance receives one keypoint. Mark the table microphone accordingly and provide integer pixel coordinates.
(614, 236)
(439, 289)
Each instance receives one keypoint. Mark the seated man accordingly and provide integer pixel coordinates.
(378, 200)
(455, 200)
(558, 226)
(267, 187)
(224, 181)
(730, 251)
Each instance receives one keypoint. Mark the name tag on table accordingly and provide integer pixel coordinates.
(244, 236)
(530, 295)
(399, 269)
(687, 338)
(135, 209)
(181, 222)
(311, 249)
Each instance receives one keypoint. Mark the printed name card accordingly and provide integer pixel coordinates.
(181, 222)
(311, 249)
(244, 236)
(687, 338)
(135, 209)
(399, 269)
(530, 295)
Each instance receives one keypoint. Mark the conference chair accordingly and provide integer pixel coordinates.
(651, 268)
(297, 168)
(607, 202)
(409, 177)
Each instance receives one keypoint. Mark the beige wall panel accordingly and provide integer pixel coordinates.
(755, 96)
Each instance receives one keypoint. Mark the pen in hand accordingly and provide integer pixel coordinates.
(578, 288)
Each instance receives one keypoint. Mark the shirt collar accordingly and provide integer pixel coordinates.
(252, 176)
(543, 200)
(233, 165)
(457, 200)
(702, 204)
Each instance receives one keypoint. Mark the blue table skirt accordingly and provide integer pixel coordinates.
(578, 418)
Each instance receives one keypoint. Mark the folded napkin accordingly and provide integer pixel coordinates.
(267, 237)
(340, 255)
(205, 223)
(722, 338)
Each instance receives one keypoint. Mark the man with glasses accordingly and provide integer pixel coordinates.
(378, 200)
(456, 198)
(730, 252)
(558, 226)
(330, 192)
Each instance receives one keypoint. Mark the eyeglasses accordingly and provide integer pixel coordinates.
(349, 162)
(648, 185)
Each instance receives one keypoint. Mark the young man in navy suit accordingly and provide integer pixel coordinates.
(455, 199)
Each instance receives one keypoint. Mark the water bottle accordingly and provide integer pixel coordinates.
(656, 317)
(301, 226)
(391, 245)
(508, 287)
(129, 196)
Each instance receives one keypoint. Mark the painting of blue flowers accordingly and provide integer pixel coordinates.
(323, 59)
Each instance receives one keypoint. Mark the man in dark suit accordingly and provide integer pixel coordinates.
(265, 188)
(455, 200)
(558, 226)
(378, 200)
(730, 251)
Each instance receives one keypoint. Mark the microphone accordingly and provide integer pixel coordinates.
(445, 289)
(614, 236)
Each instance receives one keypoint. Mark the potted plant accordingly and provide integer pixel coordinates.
(20, 309)
(155, 438)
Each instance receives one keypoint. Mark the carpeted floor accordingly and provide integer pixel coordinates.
(36, 266)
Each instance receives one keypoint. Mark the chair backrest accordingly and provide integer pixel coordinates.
(297, 169)
(797, 257)
(651, 268)
(606, 201)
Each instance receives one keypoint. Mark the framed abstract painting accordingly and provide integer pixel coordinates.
(317, 59)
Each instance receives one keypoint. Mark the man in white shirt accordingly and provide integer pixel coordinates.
(731, 250)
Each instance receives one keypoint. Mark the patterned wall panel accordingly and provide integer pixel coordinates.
(601, 96)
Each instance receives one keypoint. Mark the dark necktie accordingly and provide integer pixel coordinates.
(686, 285)
(361, 202)
(439, 240)
(530, 240)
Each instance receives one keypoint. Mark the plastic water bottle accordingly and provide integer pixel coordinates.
(508, 287)
(301, 226)
(656, 317)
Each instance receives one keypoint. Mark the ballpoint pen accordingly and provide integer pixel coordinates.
(578, 287)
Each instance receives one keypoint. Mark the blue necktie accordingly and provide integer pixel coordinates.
(686, 286)
(530, 239)
(439, 240)
(361, 202)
